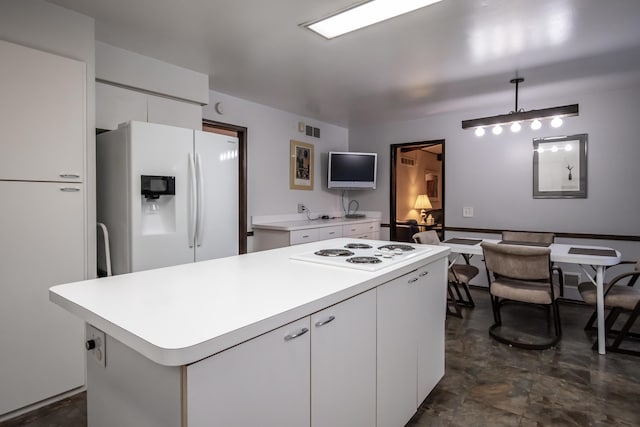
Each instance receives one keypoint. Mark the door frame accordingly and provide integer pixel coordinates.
(241, 131)
(394, 149)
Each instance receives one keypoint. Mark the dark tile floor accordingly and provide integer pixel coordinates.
(491, 384)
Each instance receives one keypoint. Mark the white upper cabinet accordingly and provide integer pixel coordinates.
(115, 105)
(42, 115)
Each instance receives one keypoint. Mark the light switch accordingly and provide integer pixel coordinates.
(467, 212)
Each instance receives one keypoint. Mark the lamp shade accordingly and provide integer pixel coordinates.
(422, 202)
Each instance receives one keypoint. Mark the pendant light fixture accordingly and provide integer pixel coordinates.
(517, 117)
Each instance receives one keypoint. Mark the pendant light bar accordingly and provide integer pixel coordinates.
(515, 117)
(503, 119)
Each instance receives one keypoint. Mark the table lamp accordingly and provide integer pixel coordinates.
(422, 203)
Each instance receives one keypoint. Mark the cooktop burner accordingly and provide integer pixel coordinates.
(334, 252)
(362, 255)
(364, 260)
(357, 246)
(401, 247)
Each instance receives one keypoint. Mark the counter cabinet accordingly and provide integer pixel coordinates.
(271, 236)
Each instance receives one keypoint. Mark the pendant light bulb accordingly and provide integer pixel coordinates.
(515, 127)
(535, 125)
(497, 130)
(479, 131)
(556, 122)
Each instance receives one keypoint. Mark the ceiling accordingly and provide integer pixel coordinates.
(451, 54)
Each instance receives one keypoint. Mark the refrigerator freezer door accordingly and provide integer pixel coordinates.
(218, 172)
(160, 228)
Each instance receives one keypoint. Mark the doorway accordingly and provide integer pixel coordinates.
(241, 133)
(417, 169)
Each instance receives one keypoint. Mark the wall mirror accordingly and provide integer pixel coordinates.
(560, 167)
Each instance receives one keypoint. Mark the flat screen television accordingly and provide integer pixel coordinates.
(352, 171)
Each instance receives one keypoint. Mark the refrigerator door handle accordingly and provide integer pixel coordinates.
(200, 204)
(192, 201)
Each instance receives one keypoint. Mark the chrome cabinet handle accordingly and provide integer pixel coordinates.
(424, 273)
(69, 189)
(306, 236)
(69, 175)
(413, 280)
(324, 322)
(296, 334)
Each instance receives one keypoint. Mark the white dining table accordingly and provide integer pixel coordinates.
(599, 258)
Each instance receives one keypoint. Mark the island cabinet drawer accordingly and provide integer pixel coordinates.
(325, 233)
(303, 236)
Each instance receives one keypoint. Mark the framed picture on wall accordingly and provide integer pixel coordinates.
(432, 181)
(301, 165)
(560, 167)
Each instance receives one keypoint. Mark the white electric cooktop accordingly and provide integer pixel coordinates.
(362, 254)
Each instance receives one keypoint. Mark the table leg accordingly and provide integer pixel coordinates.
(600, 308)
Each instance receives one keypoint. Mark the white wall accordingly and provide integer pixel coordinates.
(493, 174)
(269, 133)
(41, 25)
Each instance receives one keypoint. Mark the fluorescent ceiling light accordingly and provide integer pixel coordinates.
(363, 15)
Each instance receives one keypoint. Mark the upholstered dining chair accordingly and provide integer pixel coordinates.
(459, 275)
(543, 238)
(521, 274)
(620, 296)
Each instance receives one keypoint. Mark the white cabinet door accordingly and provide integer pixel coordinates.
(173, 112)
(42, 115)
(397, 368)
(42, 231)
(431, 307)
(343, 363)
(116, 105)
(263, 382)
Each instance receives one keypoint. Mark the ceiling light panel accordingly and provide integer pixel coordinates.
(363, 15)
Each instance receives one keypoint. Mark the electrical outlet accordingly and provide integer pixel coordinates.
(96, 345)
(467, 212)
(301, 208)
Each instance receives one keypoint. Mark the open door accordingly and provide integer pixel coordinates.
(417, 169)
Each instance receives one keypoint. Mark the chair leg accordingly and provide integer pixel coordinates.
(456, 311)
(589, 325)
(556, 316)
(469, 302)
(615, 347)
(495, 306)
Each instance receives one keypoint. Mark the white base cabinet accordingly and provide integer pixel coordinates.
(410, 318)
(278, 235)
(368, 360)
(343, 363)
(262, 382)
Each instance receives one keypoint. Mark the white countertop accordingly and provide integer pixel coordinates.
(178, 315)
(306, 223)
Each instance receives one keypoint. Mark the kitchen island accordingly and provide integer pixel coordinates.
(264, 339)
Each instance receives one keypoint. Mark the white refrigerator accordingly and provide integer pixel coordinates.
(167, 195)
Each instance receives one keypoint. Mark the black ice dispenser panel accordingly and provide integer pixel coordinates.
(154, 186)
